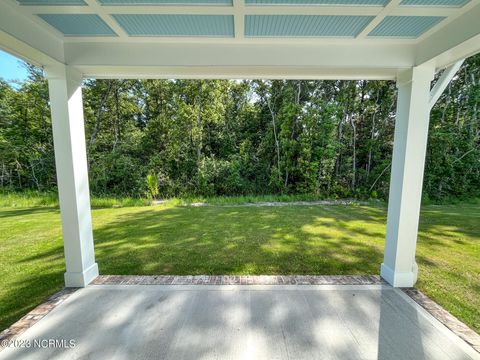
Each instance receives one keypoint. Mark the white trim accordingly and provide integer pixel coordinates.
(443, 82)
(399, 279)
(95, 8)
(455, 41)
(235, 72)
(378, 19)
(239, 19)
(349, 58)
(249, 9)
(192, 40)
(28, 39)
(453, 15)
(81, 279)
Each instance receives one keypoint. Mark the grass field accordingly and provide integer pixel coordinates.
(174, 239)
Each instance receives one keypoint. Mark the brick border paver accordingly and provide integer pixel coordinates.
(447, 319)
(238, 280)
(35, 315)
(442, 315)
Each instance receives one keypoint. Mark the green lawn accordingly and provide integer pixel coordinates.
(171, 239)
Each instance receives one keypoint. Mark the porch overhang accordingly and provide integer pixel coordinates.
(261, 39)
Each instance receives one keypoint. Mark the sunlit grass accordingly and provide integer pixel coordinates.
(175, 239)
(27, 198)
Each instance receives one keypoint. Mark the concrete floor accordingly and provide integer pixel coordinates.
(241, 322)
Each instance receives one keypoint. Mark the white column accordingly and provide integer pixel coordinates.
(411, 131)
(65, 90)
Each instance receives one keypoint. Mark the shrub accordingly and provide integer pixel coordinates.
(152, 184)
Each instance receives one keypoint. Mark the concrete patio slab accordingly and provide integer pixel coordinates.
(238, 322)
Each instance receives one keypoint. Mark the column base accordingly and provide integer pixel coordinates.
(81, 279)
(399, 279)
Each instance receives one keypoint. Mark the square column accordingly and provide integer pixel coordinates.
(64, 85)
(411, 132)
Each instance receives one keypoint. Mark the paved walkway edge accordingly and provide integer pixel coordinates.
(447, 319)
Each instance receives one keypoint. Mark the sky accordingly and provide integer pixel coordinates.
(11, 68)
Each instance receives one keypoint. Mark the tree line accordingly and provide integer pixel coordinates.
(227, 137)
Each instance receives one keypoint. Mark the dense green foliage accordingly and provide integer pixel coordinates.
(219, 137)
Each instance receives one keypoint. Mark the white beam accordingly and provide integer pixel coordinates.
(457, 40)
(239, 18)
(378, 19)
(96, 8)
(235, 72)
(26, 39)
(443, 82)
(411, 129)
(249, 10)
(211, 10)
(65, 90)
(365, 56)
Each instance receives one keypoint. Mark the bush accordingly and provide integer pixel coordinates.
(152, 184)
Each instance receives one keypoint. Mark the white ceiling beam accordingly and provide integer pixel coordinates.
(208, 9)
(140, 9)
(239, 18)
(234, 72)
(96, 8)
(187, 40)
(378, 19)
(201, 54)
(455, 13)
(424, 11)
(443, 82)
(54, 9)
(457, 40)
(27, 39)
(248, 10)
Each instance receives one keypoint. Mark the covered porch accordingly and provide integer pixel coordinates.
(408, 41)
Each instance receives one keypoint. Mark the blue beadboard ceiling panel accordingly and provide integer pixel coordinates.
(165, 2)
(177, 25)
(304, 25)
(405, 26)
(318, 2)
(448, 3)
(78, 24)
(51, 2)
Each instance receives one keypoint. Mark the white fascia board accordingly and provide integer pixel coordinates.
(457, 40)
(26, 39)
(235, 72)
(243, 58)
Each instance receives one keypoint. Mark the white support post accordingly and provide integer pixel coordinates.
(411, 130)
(64, 85)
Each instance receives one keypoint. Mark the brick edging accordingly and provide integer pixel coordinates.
(238, 280)
(447, 319)
(35, 315)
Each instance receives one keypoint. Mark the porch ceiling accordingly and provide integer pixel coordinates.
(241, 38)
